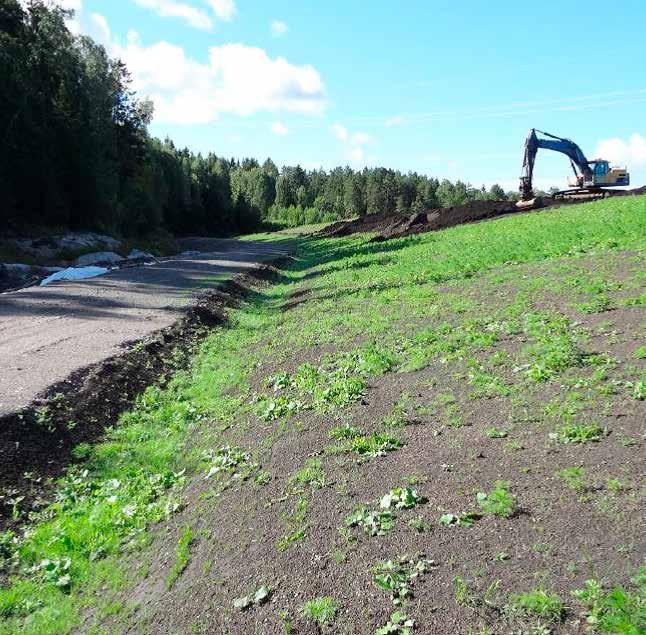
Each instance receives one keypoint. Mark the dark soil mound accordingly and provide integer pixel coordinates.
(398, 226)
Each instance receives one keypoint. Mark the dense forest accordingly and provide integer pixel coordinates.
(76, 153)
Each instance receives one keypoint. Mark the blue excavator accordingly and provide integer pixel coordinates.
(590, 177)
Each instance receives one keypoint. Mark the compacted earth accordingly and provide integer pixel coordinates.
(437, 434)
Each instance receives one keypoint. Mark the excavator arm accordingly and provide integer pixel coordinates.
(578, 160)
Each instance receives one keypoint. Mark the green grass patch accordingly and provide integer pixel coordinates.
(321, 610)
(182, 556)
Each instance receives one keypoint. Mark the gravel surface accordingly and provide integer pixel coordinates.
(47, 333)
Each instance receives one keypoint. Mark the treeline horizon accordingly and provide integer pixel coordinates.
(76, 153)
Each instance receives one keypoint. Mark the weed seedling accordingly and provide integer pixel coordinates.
(419, 524)
(579, 433)
(396, 577)
(462, 520)
(401, 498)
(342, 433)
(399, 624)
(368, 446)
(619, 611)
(321, 610)
(499, 502)
(311, 475)
(372, 523)
(495, 433)
(573, 477)
(538, 603)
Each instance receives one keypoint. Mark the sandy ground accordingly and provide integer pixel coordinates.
(47, 333)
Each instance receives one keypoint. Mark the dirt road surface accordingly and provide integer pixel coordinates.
(47, 333)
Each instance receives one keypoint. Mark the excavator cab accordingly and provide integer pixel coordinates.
(603, 174)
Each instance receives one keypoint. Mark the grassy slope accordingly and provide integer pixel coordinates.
(70, 563)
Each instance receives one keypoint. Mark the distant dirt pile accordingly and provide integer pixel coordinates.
(398, 226)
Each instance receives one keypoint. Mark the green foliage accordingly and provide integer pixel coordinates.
(496, 433)
(401, 498)
(555, 349)
(229, 460)
(182, 556)
(374, 523)
(400, 412)
(419, 524)
(396, 577)
(458, 520)
(539, 603)
(574, 477)
(498, 502)
(372, 445)
(311, 475)
(638, 391)
(272, 408)
(92, 528)
(321, 610)
(398, 624)
(341, 433)
(618, 611)
(579, 433)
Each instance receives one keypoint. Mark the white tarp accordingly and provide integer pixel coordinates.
(74, 273)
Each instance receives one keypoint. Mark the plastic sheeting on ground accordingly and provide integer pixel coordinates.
(74, 273)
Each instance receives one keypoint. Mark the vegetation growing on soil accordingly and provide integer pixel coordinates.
(476, 324)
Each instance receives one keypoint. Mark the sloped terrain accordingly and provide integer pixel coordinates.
(387, 227)
(437, 434)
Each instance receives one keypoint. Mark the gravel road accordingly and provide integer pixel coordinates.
(47, 333)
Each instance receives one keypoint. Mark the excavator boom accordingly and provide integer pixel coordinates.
(580, 163)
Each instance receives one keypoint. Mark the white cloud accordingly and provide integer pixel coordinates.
(278, 28)
(99, 30)
(74, 5)
(397, 120)
(238, 79)
(223, 9)
(631, 152)
(340, 132)
(279, 128)
(353, 143)
(172, 9)
(361, 138)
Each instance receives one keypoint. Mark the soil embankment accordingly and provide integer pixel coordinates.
(391, 226)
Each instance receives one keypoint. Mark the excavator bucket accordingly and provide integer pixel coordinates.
(532, 203)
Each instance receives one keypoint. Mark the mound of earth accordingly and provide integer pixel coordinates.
(396, 226)
(389, 226)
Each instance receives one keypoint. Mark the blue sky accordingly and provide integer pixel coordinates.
(444, 88)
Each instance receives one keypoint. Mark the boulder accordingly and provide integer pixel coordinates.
(137, 254)
(14, 276)
(99, 257)
(81, 240)
(50, 247)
